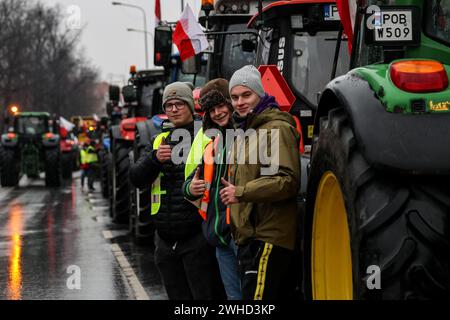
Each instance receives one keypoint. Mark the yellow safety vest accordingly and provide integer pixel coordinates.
(91, 157)
(196, 152)
(156, 191)
(83, 154)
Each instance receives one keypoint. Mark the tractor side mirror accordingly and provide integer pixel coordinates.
(129, 93)
(248, 45)
(192, 65)
(163, 46)
(114, 93)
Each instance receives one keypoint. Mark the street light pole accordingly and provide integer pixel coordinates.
(114, 3)
(141, 31)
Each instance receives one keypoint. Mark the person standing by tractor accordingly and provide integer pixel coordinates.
(263, 205)
(183, 257)
(83, 163)
(92, 161)
(215, 102)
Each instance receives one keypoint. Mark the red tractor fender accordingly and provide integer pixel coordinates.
(128, 127)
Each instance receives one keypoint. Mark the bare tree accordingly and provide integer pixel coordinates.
(41, 65)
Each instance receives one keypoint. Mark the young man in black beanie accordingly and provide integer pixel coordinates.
(204, 183)
(184, 259)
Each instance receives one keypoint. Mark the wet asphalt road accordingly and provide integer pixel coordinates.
(60, 244)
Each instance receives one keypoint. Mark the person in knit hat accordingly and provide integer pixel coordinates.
(263, 204)
(184, 258)
(216, 103)
(177, 97)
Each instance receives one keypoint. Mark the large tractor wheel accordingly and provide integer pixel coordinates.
(52, 168)
(67, 165)
(141, 223)
(121, 184)
(105, 164)
(371, 234)
(10, 165)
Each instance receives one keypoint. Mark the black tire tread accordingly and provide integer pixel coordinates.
(400, 223)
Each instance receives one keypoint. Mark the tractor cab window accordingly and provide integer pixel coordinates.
(312, 62)
(234, 57)
(31, 125)
(437, 20)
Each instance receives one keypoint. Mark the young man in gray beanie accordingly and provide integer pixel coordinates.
(263, 207)
(183, 257)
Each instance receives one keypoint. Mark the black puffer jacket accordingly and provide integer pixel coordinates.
(177, 218)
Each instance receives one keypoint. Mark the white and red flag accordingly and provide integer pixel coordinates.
(157, 12)
(347, 12)
(188, 36)
(65, 126)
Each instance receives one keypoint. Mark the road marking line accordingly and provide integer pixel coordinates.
(133, 281)
(6, 192)
(99, 208)
(107, 234)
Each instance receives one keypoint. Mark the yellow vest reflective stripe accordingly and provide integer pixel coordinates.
(91, 157)
(196, 153)
(208, 174)
(156, 191)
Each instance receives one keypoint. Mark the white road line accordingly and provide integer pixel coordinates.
(107, 234)
(5, 192)
(100, 208)
(133, 281)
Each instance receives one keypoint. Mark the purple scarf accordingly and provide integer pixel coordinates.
(266, 102)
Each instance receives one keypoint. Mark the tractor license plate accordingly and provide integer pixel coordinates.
(392, 26)
(330, 13)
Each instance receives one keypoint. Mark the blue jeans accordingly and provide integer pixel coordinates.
(228, 265)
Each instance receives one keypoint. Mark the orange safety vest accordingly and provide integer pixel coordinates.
(208, 175)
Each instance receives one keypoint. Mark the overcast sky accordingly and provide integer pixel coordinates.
(105, 38)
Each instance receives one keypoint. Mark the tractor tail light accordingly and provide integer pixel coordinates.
(419, 76)
(129, 126)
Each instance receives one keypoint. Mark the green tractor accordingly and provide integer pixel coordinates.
(377, 222)
(30, 147)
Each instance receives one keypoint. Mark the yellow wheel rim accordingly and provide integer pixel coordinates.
(331, 251)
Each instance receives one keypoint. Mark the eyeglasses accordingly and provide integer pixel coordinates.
(178, 105)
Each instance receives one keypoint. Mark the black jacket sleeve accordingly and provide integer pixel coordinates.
(146, 169)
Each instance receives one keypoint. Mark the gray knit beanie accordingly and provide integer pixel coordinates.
(248, 76)
(181, 91)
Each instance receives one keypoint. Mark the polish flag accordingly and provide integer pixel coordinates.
(65, 126)
(347, 12)
(157, 12)
(188, 36)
